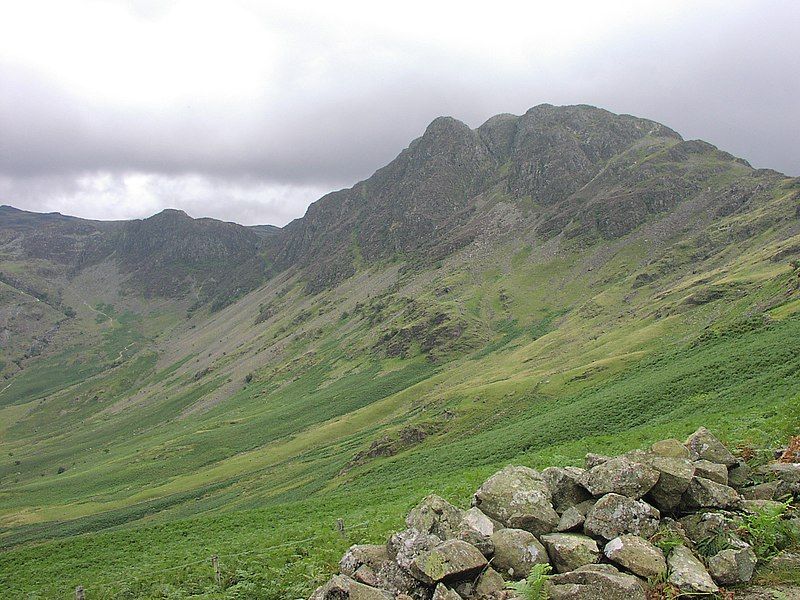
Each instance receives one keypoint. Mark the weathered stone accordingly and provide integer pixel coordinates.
(672, 448)
(762, 491)
(614, 515)
(486, 585)
(444, 593)
(592, 460)
(516, 551)
(565, 487)
(437, 516)
(620, 476)
(675, 475)
(449, 560)
(637, 555)
(710, 470)
(405, 546)
(595, 582)
(756, 506)
(475, 519)
(688, 574)
(732, 566)
(341, 587)
(393, 578)
(571, 519)
(704, 525)
(788, 476)
(739, 475)
(704, 493)
(568, 551)
(370, 555)
(519, 498)
(710, 448)
(787, 561)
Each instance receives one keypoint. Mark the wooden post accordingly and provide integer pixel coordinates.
(215, 564)
(79, 594)
(340, 526)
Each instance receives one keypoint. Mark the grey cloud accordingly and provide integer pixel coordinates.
(728, 78)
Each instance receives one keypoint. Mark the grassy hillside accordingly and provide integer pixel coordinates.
(652, 286)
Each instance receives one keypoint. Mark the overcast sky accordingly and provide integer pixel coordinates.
(250, 111)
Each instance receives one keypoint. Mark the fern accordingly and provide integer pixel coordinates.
(534, 587)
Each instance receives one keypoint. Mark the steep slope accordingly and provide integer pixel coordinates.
(516, 292)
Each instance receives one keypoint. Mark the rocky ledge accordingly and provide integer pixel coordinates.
(678, 519)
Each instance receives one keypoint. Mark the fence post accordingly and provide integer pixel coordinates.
(215, 564)
(79, 594)
(340, 526)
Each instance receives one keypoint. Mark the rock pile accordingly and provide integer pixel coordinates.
(600, 529)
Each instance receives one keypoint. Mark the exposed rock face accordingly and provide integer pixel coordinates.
(519, 498)
(596, 582)
(637, 555)
(732, 566)
(620, 476)
(516, 551)
(405, 546)
(614, 515)
(449, 560)
(708, 447)
(568, 551)
(688, 574)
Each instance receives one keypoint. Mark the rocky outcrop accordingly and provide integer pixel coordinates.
(599, 531)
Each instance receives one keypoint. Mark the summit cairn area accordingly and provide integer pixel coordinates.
(677, 519)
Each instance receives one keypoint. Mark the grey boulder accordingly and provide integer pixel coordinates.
(733, 566)
(595, 582)
(437, 516)
(341, 587)
(708, 447)
(519, 498)
(449, 560)
(710, 470)
(614, 515)
(688, 574)
(565, 487)
(568, 551)
(516, 551)
(675, 475)
(637, 555)
(704, 493)
(620, 476)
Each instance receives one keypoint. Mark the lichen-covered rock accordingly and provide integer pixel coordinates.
(444, 593)
(762, 491)
(710, 470)
(486, 585)
(342, 587)
(614, 515)
(592, 460)
(437, 516)
(637, 555)
(788, 477)
(688, 574)
(571, 519)
(675, 475)
(733, 566)
(516, 551)
(595, 582)
(739, 475)
(519, 498)
(672, 448)
(565, 487)
(476, 528)
(449, 560)
(568, 551)
(405, 546)
(704, 493)
(701, 526)
(371, 555)
(756, 506)
(393, 578)
(620, 476)
(708, 447)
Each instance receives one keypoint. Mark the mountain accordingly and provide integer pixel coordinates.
(564, 280)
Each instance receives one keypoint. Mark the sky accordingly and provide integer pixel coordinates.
(249, 111)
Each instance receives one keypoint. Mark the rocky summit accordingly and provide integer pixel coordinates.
(625, 549)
